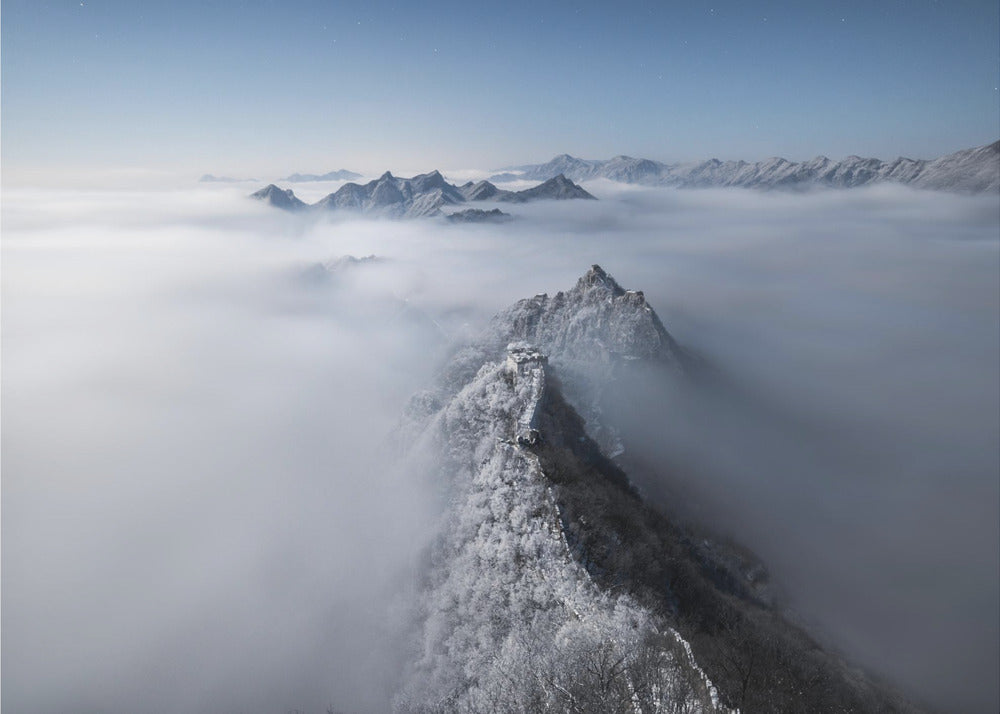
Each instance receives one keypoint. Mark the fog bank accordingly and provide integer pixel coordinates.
(198, 511)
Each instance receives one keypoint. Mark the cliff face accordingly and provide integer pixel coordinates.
(551, 585)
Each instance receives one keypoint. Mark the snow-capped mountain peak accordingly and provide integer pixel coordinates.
(279, 198)
(973, 170)
(421, 195)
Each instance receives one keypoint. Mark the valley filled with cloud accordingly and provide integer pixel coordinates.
(201, 510)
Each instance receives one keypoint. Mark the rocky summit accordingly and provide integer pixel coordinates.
(551, 585)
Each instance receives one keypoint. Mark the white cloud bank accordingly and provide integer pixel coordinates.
(197, 514)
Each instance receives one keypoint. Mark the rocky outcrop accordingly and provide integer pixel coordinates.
(279, 198)
(478, 215)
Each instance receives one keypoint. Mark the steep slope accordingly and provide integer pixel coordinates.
(511, 620)
(590, 333)
(974, 170)
(552, 586)
(480, 191)
(558, 187)
(279, 198)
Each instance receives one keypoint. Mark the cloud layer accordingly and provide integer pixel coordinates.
(198, 514)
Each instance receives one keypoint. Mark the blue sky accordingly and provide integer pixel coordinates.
(255, 87)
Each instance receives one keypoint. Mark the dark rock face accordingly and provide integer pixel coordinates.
(350, 196)
(478, 215)
(385, 192)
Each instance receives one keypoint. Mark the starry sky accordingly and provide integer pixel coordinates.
(298, 85)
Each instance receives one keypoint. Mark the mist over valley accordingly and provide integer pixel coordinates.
(203, 509)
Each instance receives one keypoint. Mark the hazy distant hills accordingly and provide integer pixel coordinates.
(338, 175)
(210, 178)
(974, 170)
(422, 195)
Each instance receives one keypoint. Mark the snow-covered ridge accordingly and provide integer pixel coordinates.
(975, 170)
(420, 196)
(589, 333)
(551, 585)
(510, 617)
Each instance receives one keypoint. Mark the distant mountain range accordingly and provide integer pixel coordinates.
(422, 195)
(339, 175)
(974, 170)
(210, 178)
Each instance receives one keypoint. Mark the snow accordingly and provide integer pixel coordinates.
(975, 170)
(509, 613)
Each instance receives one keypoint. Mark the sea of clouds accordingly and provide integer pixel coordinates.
(200, 512)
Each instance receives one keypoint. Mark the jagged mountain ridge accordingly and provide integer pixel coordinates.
(549, 568)
(420, 196)
(974, 170)
(478, 215)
